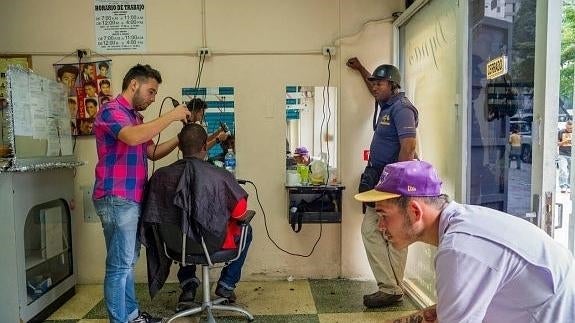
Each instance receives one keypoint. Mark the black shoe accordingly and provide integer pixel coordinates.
(381, 299)
(221, 291)
(144, 317)
(187, 295)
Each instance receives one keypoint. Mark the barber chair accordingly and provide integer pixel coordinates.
(179, 248)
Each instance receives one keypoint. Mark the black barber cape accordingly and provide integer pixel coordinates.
(193, 194)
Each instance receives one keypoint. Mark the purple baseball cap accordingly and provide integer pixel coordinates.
(302, 151)
(408, 178)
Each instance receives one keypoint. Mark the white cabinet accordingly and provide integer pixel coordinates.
(35, 243)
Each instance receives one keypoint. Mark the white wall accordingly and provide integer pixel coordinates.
(49, 29)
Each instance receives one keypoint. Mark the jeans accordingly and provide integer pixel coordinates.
(564, 167)
(230, 274)
(119, 219)
(515, 155)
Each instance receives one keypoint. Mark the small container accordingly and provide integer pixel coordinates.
(292, 178)
(303, 171)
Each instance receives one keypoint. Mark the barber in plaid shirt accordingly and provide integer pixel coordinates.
(124, 144)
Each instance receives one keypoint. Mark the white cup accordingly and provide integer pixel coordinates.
(292, 178)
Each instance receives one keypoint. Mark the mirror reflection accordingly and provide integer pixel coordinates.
(311, 136)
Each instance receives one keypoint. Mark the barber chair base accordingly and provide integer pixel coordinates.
(208, 304)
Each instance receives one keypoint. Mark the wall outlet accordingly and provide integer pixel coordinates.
(328, 51)
(204, 51)
(83, 52)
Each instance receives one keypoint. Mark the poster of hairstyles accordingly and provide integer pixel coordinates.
(89, 87)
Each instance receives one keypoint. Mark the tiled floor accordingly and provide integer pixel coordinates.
(320, 301)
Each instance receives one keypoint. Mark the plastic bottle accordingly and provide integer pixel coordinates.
(230, 161)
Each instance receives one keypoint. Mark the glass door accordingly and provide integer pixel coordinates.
(511, 131)
(501, 107)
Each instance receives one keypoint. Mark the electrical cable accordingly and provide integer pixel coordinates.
(241, 181)
(159, 133)
(201, 61)
(323, 194)
(197, 84)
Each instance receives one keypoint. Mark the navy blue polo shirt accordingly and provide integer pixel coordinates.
(397, 120)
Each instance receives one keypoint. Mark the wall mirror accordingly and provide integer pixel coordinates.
(311, 119)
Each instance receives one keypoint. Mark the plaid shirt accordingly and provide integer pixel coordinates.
(122, 170)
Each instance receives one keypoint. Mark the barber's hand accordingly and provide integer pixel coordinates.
(222, 136)
(354, 63)
(181, 112)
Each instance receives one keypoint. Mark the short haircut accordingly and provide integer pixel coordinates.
(569, 122)
(91, 83)
(71, 100)
(192, 139)
(93, 101)
(103, 64)
(196, 104)
(141, 73)
(105, 81)
(67, 69)
(228, 143)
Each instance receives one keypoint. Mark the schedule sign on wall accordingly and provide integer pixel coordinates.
(120, 25)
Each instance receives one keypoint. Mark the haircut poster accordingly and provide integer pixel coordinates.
(89, 87)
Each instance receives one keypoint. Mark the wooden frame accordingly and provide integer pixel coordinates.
(9, 59)
(5, 60)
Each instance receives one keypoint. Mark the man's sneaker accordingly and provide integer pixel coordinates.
(146, 318)
(381, 299)
(221, 291)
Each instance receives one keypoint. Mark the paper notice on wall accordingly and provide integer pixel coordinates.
(20, 101)
(66, 145)
(53, 137)
(120, 25)
(39, 107)
(53, 147)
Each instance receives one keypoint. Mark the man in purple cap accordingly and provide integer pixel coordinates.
(394, 139)
(301, 156)
(490, 266)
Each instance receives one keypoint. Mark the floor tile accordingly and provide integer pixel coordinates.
(194, 319)
(337, 300)
(86, 297)
(345, 296)
(365, 317)
(276, 297)
(163, 304)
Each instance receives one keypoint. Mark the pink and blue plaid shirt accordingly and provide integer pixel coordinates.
(122, 170)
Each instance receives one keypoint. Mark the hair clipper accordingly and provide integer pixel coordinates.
(225, 128)
(175, 103)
